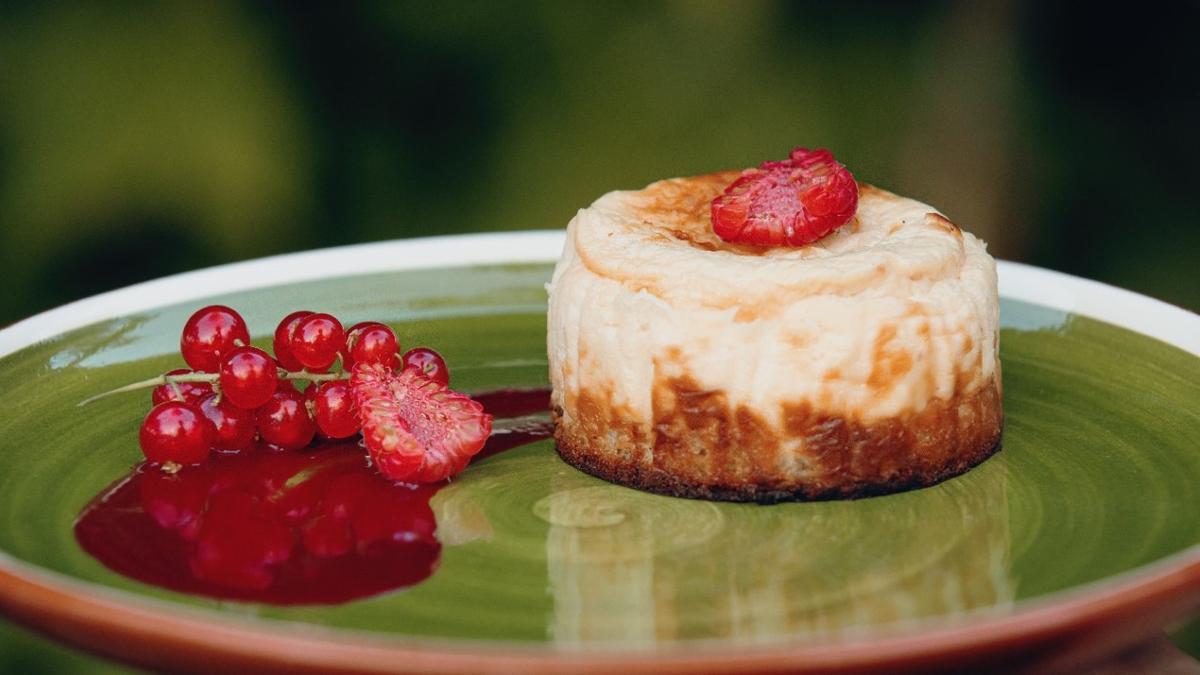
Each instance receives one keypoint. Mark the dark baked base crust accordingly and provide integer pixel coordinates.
(717, 454)
(663, 483)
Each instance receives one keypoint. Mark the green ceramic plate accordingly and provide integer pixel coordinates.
(1095, 494)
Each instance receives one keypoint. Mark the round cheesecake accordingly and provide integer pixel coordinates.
(863, 363)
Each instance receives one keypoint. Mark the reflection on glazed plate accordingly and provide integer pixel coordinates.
(1032, 558)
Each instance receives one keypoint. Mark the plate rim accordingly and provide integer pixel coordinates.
(69, 608)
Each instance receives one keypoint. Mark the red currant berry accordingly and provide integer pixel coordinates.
(429, 363)
(248, 377)
(337, 417)
(283, 340)
(188, 392)
(316, 341)
(370, 342)
(209, 334)
(285, 422)
(232, 427)
(175, 432)
(310, 404)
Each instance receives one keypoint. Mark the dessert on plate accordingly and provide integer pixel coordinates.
(774, 334)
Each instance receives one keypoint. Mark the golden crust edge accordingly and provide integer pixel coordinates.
(963, 450)
(664, 483)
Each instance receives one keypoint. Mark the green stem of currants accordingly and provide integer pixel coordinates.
(211, 378)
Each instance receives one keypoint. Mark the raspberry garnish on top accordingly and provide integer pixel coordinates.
(787, 203)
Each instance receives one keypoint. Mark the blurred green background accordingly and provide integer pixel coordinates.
(140, 139)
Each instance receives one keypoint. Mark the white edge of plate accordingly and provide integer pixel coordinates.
(1117, 306)
(1018, 281)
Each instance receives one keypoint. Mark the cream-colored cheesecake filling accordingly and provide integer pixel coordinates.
(895, 309)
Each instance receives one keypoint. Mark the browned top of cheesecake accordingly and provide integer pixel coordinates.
(649, 239)
(681, 209)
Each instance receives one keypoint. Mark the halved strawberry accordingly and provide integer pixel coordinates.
(416, 429)
(789, 203)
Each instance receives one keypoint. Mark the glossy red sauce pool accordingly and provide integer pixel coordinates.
(317, 526)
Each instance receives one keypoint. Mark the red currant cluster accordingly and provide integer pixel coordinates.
(235, 393)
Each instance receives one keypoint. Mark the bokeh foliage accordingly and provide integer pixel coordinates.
(139, 139)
